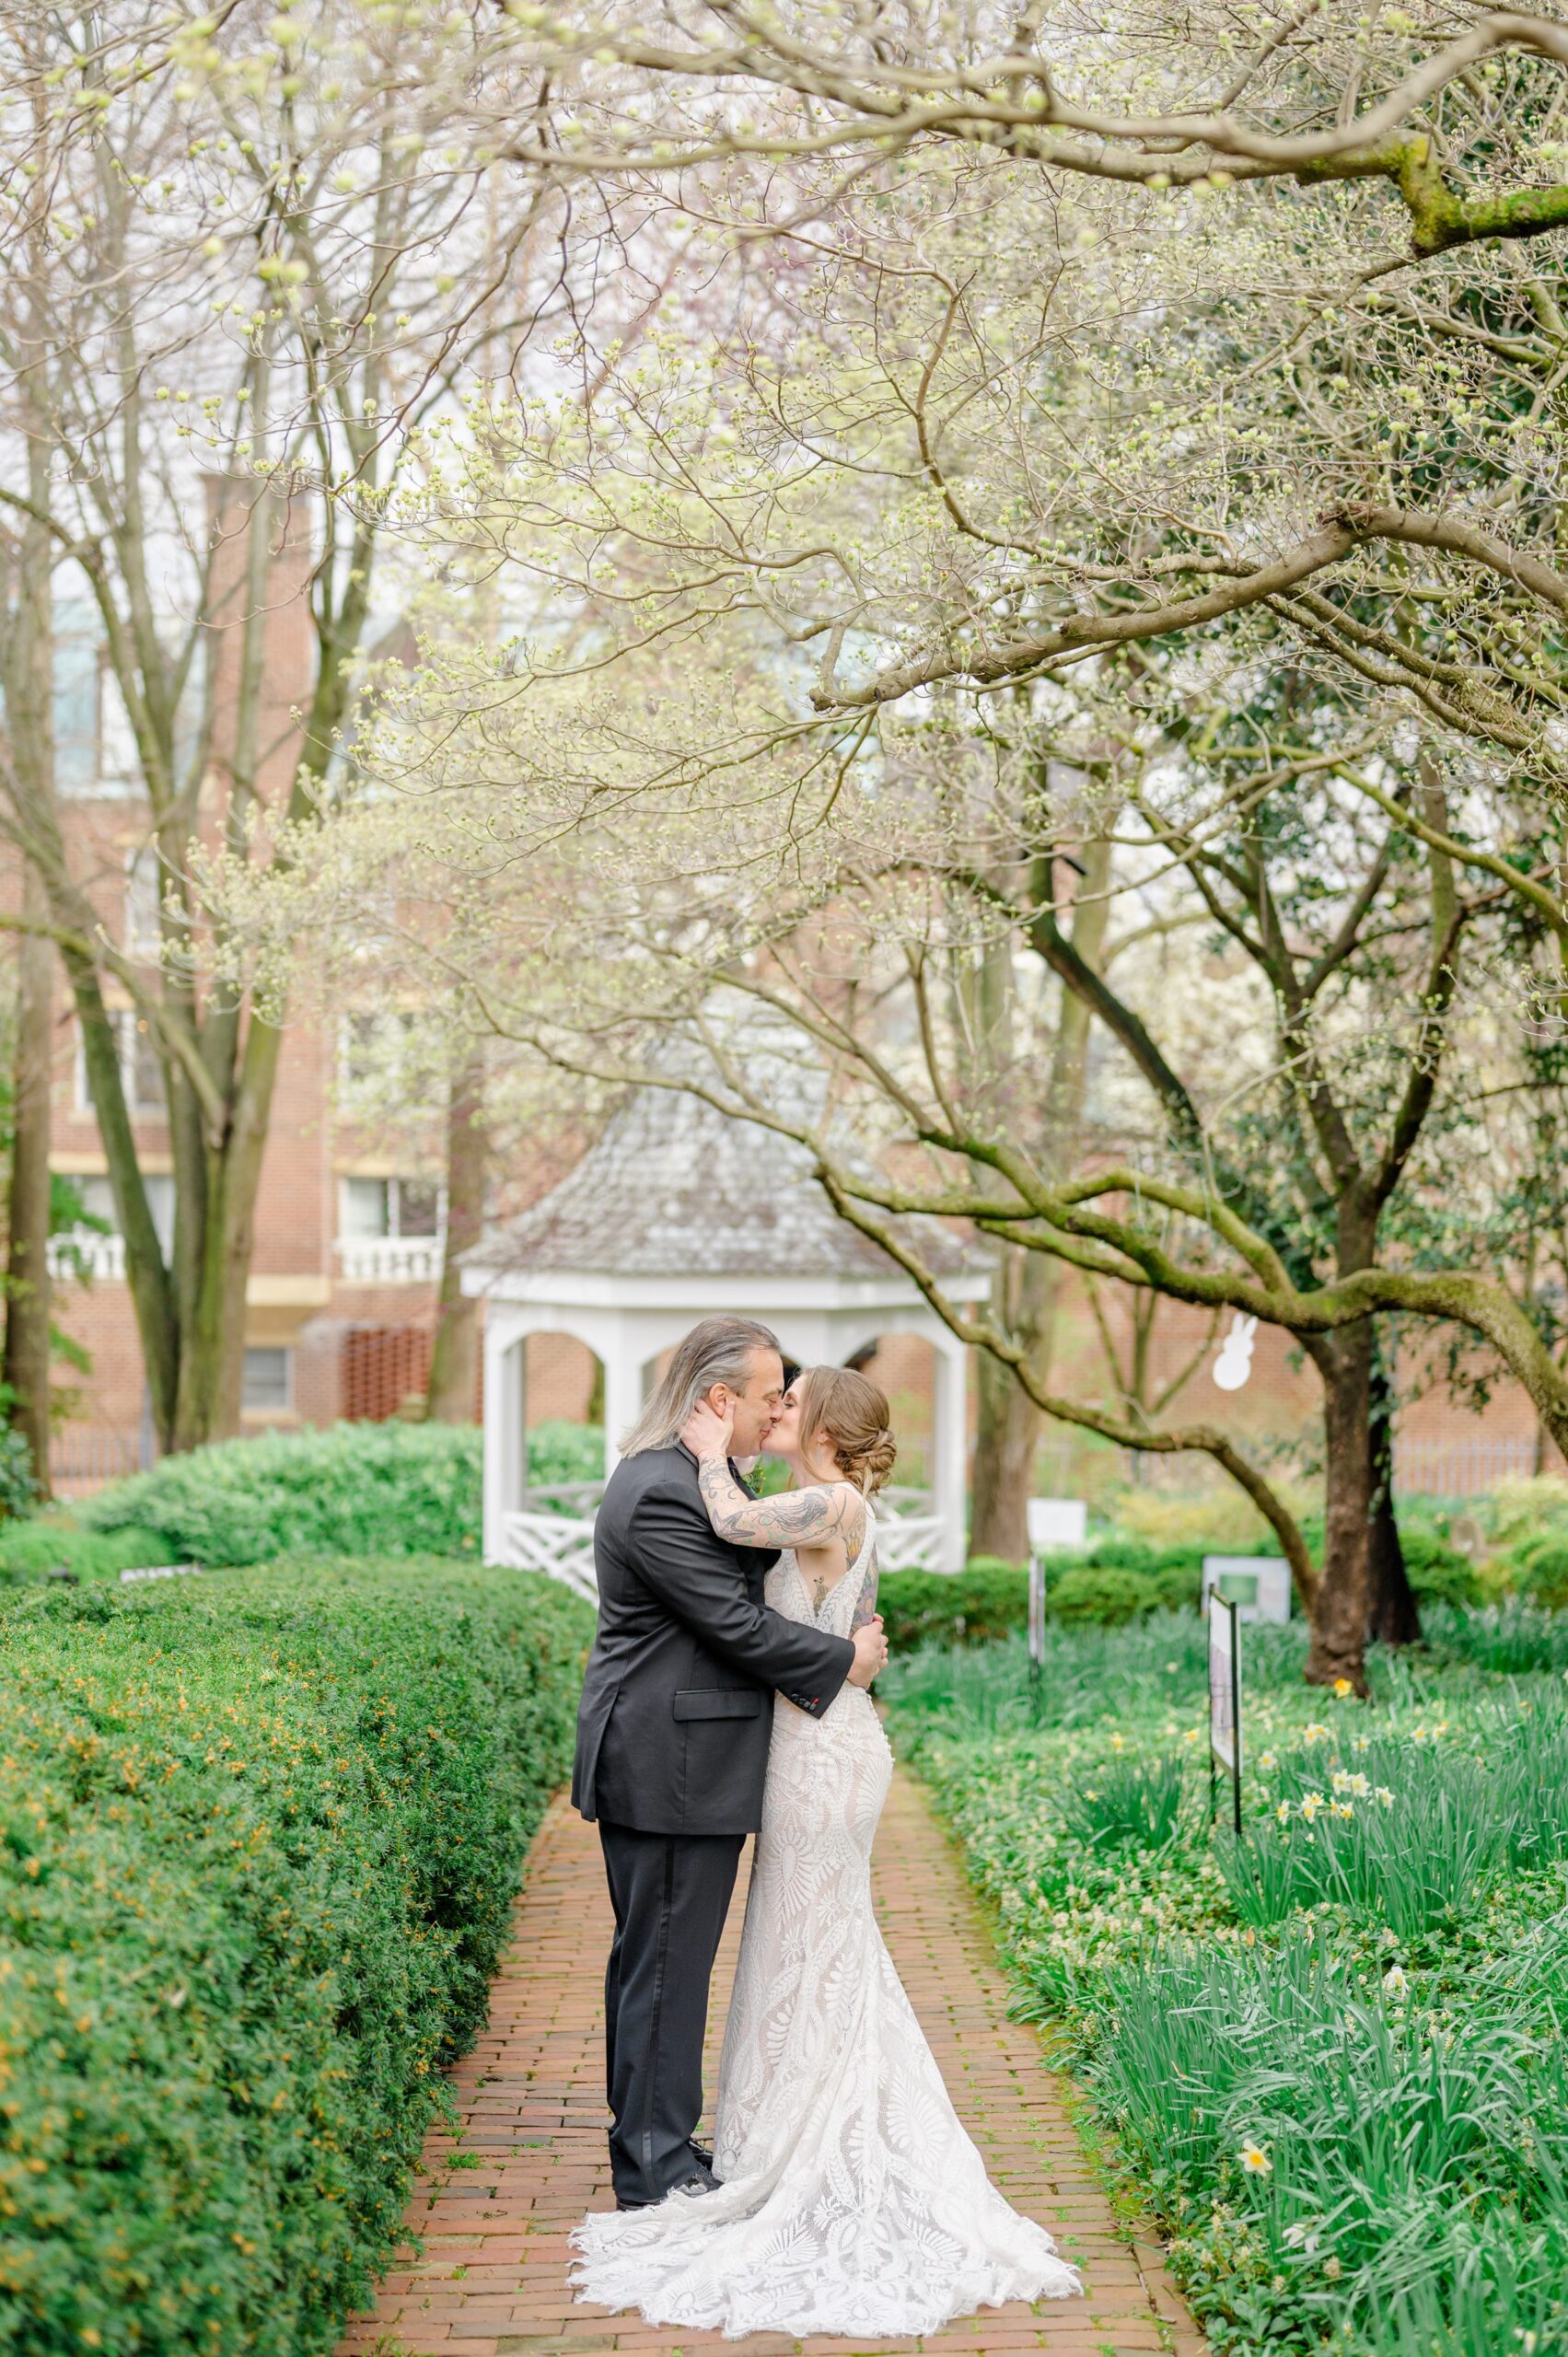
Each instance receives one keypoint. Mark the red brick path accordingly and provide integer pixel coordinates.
(492, 2280)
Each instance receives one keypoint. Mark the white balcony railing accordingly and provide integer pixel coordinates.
(103, 1257)
(389, 1260)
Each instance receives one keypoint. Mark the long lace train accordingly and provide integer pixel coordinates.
(851, 2199)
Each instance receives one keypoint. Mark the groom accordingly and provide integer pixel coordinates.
(672, 1739)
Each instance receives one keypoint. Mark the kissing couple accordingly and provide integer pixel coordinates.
(727, 1693)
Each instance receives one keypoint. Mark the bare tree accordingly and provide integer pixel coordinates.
(235, 273)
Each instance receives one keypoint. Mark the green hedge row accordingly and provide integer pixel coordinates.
(1107, 1583)
(1118, 1580)
(392, 1489)
(258, 1838)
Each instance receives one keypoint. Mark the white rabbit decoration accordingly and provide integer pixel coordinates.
(1234, 1364)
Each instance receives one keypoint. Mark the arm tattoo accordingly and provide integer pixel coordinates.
(799, 1518)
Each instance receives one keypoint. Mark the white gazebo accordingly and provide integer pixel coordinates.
(681, 1211)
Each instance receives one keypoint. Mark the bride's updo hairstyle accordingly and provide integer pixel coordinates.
(854, 1415)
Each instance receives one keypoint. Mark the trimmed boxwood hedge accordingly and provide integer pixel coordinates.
(389, 1489)
(258, 1838)
(989, 1599)
(392, 1489)
(1112, 1580)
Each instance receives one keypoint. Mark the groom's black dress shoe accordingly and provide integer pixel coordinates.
(702, 2180)
(703, 2153)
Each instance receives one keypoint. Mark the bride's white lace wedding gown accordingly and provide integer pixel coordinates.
(851, 2200)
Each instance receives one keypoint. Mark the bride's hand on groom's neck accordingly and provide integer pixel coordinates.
(706, 1433)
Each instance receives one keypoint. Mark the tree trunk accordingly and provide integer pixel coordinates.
(1024, 1302)
(27, 1350)
(27, 670)
(1394, 1616)
(212, 1321)
(452, 1396)
(1007, 1428)
(1344, 1593)
(1009, 1425)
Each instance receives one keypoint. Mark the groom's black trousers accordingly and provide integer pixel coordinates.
(670, 1893)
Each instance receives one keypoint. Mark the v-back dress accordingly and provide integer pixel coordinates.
(851, 2200)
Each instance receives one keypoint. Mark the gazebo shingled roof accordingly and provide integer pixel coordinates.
(675, 1187)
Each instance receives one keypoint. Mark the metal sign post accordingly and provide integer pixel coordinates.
(1225, 1697)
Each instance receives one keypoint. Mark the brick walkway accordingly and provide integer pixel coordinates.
(492, 2207)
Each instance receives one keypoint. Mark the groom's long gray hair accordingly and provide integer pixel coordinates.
(718, 1351)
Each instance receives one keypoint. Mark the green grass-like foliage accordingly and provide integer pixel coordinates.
(1331, 2053)
(1514, 1638)
(259, 1836)
(1130, 1800)
(1426, 2162)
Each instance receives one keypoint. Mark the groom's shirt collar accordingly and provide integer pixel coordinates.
(735, 1472)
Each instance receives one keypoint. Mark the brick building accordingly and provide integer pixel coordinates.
(349, 1224)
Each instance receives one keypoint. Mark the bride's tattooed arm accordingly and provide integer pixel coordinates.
(799, 1518)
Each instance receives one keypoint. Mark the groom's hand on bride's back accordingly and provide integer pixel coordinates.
(870, 1652)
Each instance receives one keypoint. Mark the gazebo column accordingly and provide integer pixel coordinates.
(506, 1427)
(949, 1447)
(623, 1391)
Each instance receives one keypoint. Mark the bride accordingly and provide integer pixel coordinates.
(849, 2198)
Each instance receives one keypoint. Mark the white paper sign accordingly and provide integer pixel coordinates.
(1057, 1522)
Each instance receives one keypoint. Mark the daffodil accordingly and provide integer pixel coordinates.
(1343, 1687)
(1255, 2160)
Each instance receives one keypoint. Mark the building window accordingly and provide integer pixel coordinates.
(418, 1207)
(144, 894)
(141, 1072)
(78, 695)
(364, 1210)
(268, 1386)
(372, 1208)
(97, 1197)
(373, 1052)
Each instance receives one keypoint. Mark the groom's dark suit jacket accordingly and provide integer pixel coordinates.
(677, 1701)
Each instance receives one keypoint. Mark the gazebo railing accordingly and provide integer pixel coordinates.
(559, 1540)
(908, 1542)
(565, 1497)
(560, 1545)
